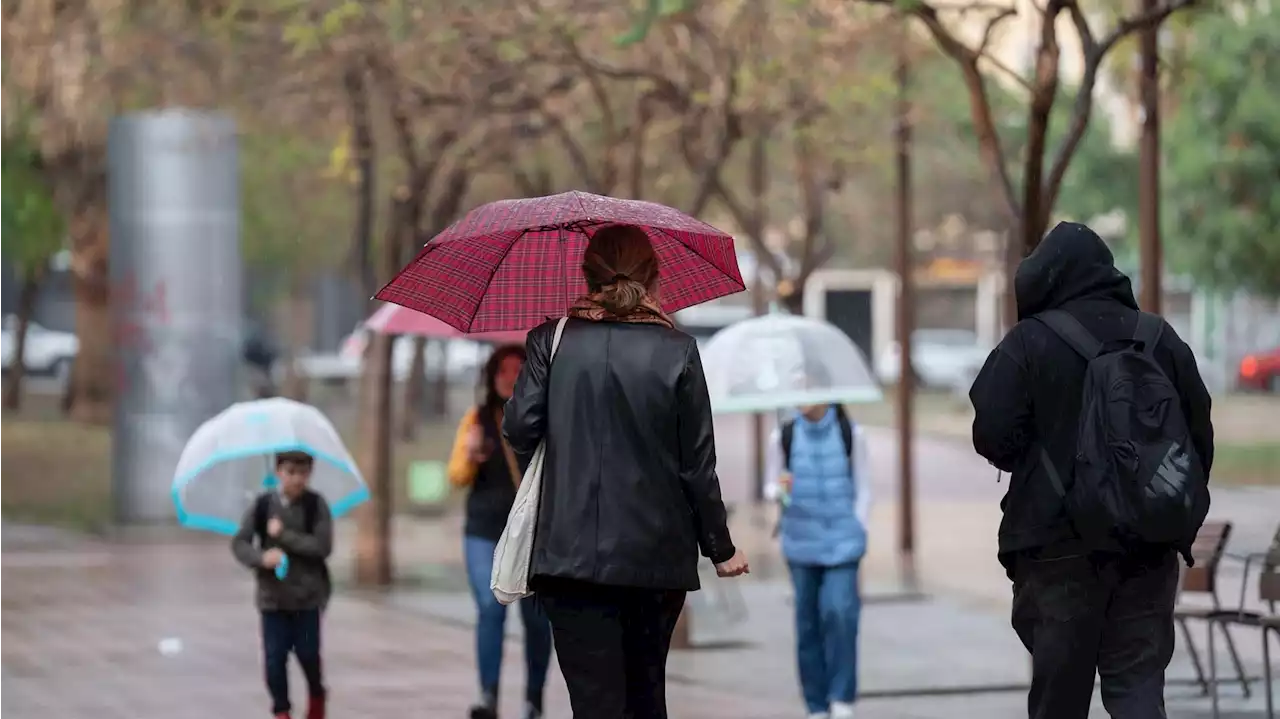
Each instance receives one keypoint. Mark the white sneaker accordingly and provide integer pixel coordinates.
(819, 715)
(841, 710)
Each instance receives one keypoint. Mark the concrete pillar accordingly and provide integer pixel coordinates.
(176, 274)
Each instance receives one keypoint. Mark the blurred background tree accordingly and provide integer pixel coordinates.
(1222, 154)
(33, 230)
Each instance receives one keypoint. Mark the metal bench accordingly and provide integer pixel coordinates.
(1209, 548)
(1266, 621)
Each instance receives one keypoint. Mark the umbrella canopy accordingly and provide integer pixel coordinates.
(512, 264)
(230, 459)
(392, 319)
(779, 361)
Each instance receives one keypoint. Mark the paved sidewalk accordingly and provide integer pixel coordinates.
(95, 613)
(83, 622)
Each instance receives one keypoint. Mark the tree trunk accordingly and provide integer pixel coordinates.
(373, 519)
(295, 384)
(415, 390)
(94, 383)
(440, 387)
(27, 297)
(362, 141)
(793, 302)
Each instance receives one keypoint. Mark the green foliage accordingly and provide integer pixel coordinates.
(295, 218)
(33, 226)
(1222, 151)
(652, 12)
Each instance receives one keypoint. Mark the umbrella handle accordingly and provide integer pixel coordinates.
(282, 569)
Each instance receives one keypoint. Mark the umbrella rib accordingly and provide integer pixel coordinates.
(741, 283)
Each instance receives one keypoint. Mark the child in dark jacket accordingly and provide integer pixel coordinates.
(286, 538)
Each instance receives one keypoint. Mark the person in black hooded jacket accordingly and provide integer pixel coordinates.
(1078, 607)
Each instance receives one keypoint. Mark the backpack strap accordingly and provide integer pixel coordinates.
(1072, 332)
(788, 434)
(261, 507)
(1150, 328)
(310, 502)
(846, 429)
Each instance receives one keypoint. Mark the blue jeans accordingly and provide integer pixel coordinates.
(296, 632)
(827, 611)
(491, 622)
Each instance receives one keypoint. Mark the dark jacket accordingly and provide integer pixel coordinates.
(493, 482)
(307, 584)
(1028, 392)
(629, 486)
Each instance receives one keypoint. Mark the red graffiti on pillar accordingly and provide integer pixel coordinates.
(136, 308)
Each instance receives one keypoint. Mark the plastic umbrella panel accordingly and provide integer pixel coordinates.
(780, 361)
(230, 460)
(513, 264)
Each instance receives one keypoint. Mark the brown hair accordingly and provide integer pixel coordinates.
(620, 267)
(294, 457)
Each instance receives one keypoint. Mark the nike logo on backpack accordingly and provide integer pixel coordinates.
(1171, 475)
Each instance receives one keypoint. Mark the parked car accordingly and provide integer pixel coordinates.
(943, 358)
(47, 352)
(1260, 371)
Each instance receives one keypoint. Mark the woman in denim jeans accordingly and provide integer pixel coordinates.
(482, 461)
(819, 462)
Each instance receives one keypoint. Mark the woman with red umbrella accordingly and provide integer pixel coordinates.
(629, 492)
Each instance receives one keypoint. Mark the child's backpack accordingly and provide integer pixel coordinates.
(310, 503)
(1137, 475)
(789, 433)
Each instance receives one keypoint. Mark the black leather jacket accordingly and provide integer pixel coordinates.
(629, 482)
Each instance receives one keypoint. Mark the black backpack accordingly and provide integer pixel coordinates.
(789, 432)
(310, 503)
(1137, 476)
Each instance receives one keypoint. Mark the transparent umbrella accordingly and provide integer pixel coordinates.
(230, 459)
(778, 361)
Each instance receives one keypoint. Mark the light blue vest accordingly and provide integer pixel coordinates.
(819, 526)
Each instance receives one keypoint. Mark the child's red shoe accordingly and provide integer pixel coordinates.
(283, 715)
(315, 708)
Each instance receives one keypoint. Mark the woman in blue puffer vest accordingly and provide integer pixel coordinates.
(818, 464)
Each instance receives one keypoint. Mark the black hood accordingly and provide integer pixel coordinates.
(1070, 263)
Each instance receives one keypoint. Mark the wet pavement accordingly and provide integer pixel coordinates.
(83, 621)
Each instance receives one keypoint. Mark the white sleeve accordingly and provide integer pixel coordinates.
(862, 474)
(773, 466)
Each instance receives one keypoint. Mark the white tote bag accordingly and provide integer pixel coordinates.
(510, 578)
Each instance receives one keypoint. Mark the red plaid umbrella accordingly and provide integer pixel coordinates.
(393, 319)
(512, 264)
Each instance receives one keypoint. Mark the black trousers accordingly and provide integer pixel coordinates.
(612, 645)
(1108, 614)
(284, 632)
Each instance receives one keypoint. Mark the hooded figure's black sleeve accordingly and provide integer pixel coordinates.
(1196, 403)
(1003, 429)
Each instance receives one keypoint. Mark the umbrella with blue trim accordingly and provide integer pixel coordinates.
(230, 460)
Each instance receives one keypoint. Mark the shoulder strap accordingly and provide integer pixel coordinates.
(846, 429)
(788, 433)
(1150, 327)
(555, 339)
(310, 510)
(1072, 332)
(261, 507)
